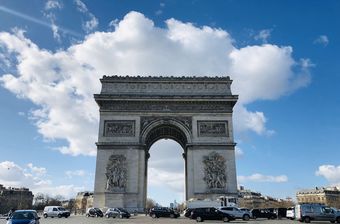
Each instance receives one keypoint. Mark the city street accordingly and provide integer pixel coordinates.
(147, 219)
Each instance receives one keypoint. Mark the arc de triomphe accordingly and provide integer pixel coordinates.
(135, 112)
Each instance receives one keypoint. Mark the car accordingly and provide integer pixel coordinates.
(111, 212)
(55, 211)
(263, 213)
(123, 213)
(236, 212)
(210, 213)
(318, 212)
(157, 212)
(187, 212)
(23, 217)
(94, 212)
(290, 214)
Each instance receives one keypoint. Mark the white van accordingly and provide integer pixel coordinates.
(55, 211)
(308, 212)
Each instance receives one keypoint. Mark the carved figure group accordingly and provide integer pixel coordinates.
(214, 171)
(116, 173)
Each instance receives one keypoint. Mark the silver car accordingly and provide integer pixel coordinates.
(236, 212)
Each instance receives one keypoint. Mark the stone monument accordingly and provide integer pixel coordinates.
(135, 112)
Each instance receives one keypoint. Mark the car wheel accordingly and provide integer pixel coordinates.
(154, 216)
(59, 215)
(199, 219)
(172, 216)
(226, 219)
(246, 217)
(121, 216)
(107, 216)
(338, 220)
(45, 216)
(307, 219)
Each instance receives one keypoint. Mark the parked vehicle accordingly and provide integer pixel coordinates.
(157, 212)
(211, 213)
(23, 217)
(55, 211)
(263, 213)
(317, 212)
(94, 212)
(112, 212)
(123, 213)
(187, 212)
(236, 212)
(290, 214)
(281, 212)
(221, 201)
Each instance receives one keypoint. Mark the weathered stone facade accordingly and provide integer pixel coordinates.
(135, 112)
(17, 198)
(83, 201)
(324, 195)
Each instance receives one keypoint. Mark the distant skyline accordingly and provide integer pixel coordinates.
(283, 58)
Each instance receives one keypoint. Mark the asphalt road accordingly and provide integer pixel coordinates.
(147, 219)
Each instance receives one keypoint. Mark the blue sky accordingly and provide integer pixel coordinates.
(282, 55)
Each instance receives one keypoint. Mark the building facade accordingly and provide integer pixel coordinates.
(15, 198)
(250, 199)
(324, 195)
(83, 201)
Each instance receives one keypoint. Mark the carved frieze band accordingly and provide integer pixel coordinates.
(186, 121)
(121, 106)
(214, 171)
(114, 128)
(172, 88)
(116, 173)
(212, 128)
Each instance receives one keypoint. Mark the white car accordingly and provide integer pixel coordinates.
(290, 214)
(236, 212)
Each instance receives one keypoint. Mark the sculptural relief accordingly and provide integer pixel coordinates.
(212, 128)
(119, 128)
(116, 173)
(214, 171)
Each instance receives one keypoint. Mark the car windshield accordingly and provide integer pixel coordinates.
(23, 215)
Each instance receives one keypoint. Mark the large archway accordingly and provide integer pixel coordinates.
(135, 112)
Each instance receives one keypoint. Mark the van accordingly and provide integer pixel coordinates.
(55, 211)
(317, 212)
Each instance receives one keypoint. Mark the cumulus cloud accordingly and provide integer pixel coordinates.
(35, 178)
(238, 152)
(92, 22)
(257, 177)
(331, 173)
(62, 83)
(322, 39)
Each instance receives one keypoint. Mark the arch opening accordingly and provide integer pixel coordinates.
(166, 173)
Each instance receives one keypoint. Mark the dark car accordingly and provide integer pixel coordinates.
(157, 212)
(23, 217)
(94, 212)
(123, 213)
(187, 212)
(263, 213)
(201, 214)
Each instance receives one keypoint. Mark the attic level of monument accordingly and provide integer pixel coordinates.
(137, 111)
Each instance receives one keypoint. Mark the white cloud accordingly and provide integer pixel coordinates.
(34, 178)
(238, 152)
(62, 83)
(322, 39)
(53, 4)
(331, 173)
(92, 22)
(263, 35)
(71, 173)
(173, 180)
(49, 7)
(257, 177)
